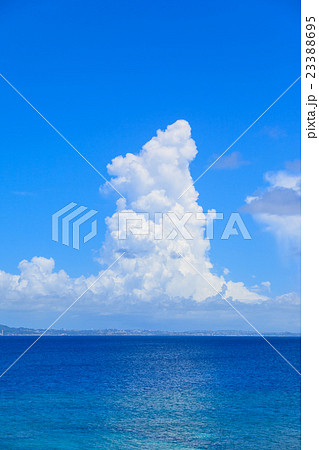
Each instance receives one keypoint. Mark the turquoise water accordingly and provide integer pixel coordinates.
(150, 392)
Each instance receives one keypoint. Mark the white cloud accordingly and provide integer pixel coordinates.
(277, 208)
(284, 179)
(151, 182)
(291, 298)
(238, 291)
(36, 280)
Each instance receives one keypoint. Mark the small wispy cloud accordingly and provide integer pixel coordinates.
(230, 162)
(273, 132)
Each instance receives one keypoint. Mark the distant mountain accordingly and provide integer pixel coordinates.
(21, 331)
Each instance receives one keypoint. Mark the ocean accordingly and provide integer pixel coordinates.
(133, 392)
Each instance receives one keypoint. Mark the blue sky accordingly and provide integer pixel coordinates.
(108, 75)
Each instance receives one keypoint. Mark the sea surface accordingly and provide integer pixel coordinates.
(150, 393)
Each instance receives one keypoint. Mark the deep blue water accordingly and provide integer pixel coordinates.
(150, 393)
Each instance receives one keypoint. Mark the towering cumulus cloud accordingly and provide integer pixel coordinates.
(152, 182)
(152, 266)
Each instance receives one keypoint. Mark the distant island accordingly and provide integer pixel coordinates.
(21, 331)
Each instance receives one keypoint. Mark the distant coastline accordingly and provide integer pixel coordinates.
(21, 331)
